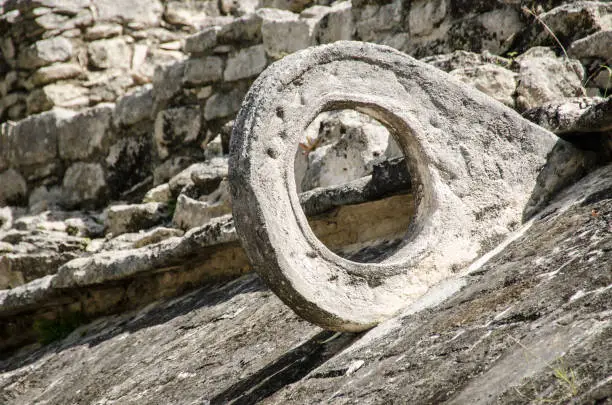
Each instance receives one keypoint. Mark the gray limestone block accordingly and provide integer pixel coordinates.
(202, 41)
(169, 168)
(284, 32)
(139, 13)
(13, 187)
(65, 95)
(6, 131)
(575, 20)
(245, 29)
(34, 139)
(176, 127)
(464, 60)
(134, 217)
(84, 184)
(543, 77)
(493, 80)
(205, 176)
(134, 107)
(110, 53)
(86, 134)
(245, 63)
(221, 105)
(167, 81)
(205, 70)
(45, 52)
(467, 153)
(103, 30)
(190, 14)
(192, 213)
(159, 193)
(53, 73)
(335, 25)
(595, 46)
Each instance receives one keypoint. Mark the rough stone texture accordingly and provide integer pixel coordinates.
(593, 46)
(170, 168)
(335, 25)
(202, 41)
(86, 134)
(176, 127)
(43, 198)
(131, 218)
(57, 95)
(45, 52)
(575, 20)
(167, 81)
(128, 163)
(207, 177)
(221, 105)
(110, 53)
(192, 14)
(59, 71)
(104, 282)
(192, 213)
(284, 32)
(160, 194)
(388, 178)
(245, 63)
(493, 80)
(425, 15)
(84, 184)
(456, 185)
(203, 70)
(574, 115)
(540, 304)
(345, 146)
(34, 140)
(543, 77)
(103, 30)
(464, 60)
(134, 107)
(223, 316)
(13, 189)
(113, 283)
(142, 13)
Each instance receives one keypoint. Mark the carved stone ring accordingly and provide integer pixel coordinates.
(474, 165)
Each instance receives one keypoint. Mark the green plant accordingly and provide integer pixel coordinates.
(564, 375)
(72, 230)
(599, 69)
(171, 207)
(50, 330)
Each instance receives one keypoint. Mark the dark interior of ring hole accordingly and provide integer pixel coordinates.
(354, 185)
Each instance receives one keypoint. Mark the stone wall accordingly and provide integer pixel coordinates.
(79, 53)
(152, 97)
(157, 129)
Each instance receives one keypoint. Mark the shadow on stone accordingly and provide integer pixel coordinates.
(98, 332)
(289, 368)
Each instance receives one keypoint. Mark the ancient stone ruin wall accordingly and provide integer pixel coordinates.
(79, 53)
(157, 129)
(183, 91)
(144, 141)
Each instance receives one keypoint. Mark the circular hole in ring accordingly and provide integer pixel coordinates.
(354, 185)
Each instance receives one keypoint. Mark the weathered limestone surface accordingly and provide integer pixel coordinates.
(428, 111)
(495, 334)
(148, 92)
